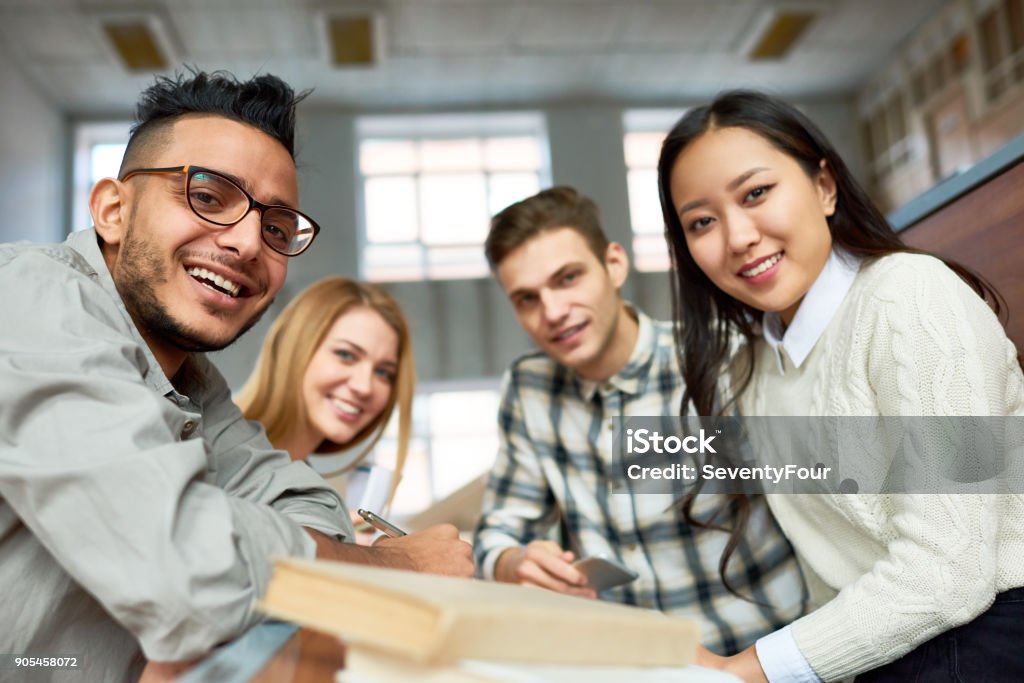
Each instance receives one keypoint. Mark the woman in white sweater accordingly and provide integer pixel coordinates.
(772, 239)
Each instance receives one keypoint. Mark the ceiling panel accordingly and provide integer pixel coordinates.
(567, 25)
(50, 37)
(445, 27)
(253, 34)
(467, 52)
(686, 27)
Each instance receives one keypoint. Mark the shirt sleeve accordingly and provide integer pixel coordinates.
(782, 660)
(93, 463)
(936, 349)
(243, 464)
(518, 504)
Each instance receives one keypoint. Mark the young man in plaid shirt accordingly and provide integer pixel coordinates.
(599, 358)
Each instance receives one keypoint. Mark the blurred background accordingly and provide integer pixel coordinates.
(427, 116)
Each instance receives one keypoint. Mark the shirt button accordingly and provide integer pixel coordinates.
(188, 428)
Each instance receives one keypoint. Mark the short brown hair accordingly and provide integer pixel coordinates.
(556, 207)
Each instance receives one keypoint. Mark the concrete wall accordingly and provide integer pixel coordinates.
(32, 145)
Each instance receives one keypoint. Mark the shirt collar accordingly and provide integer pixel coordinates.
(814, 313)
(86, 243)
(631, 378)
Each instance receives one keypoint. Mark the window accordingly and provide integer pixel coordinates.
(1001, 29)
(454, 441)
(98, 151)
(887, 135)
(431, 183)
(644, 131)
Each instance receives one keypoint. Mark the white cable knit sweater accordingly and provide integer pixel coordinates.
(892, 571)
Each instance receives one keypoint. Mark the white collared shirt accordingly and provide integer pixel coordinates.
(816, 310)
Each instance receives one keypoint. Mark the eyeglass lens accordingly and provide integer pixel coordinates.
(220, 201)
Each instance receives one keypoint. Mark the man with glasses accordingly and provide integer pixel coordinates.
(138, 509)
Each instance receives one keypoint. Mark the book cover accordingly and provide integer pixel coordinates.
(437, 619)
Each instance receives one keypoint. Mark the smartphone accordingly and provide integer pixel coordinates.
(381, 524)
(603, 573)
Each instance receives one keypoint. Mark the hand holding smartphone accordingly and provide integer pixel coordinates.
(603, 573)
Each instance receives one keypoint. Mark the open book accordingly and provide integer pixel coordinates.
(441, 620)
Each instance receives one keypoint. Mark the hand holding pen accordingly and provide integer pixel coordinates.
(380, 524)
(435, 550)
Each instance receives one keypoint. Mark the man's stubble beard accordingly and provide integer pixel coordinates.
(139, 269)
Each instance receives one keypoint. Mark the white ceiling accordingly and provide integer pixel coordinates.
(468, 52)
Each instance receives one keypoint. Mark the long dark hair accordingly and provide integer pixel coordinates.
(706, 317)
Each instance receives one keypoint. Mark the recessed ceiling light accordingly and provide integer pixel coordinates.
(777, 28)
(784, 30)
(136, 46)
(141, 38)
(352, 34)
(351, 41)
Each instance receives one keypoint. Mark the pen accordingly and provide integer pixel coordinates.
(381, 524)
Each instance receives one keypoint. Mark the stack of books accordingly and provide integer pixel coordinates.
(403, 626)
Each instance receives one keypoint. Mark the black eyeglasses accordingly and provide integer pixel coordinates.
(219, 200)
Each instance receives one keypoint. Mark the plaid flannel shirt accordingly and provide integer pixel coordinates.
(554, 470)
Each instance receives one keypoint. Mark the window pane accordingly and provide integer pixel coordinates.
(448, 263)
(414, 492)
(438, 187)
(642, 149)
(650, 253)
(454, 209)
(391, 210)
(393, 262)
(455, 441)
(105, 161)
(508, 188)
(387, 156)
(936, 76)
(990, 49)
(644, 205)
(451, 155)
(511, 154)
(463, 425)
(463, 412)
(1015, 15)
(456, 461)
(918, 88)
(897, 120)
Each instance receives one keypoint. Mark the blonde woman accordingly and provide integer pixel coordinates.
(333, 368)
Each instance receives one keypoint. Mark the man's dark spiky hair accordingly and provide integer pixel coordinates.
(264, 102)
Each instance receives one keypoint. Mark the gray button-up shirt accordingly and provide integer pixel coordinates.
(133, 515)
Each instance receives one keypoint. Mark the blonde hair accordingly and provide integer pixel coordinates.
(273, 394)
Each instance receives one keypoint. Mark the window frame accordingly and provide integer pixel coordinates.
(87, 136)
(645, 121)
(418, 128)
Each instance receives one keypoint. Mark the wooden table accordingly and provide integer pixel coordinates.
(272, 652)
(308, 656)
